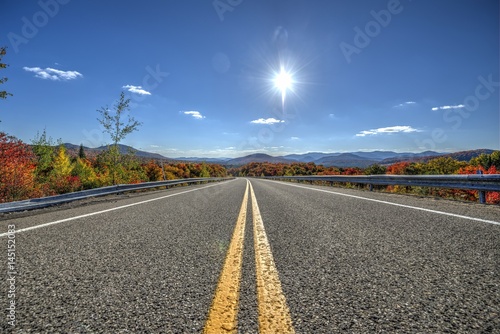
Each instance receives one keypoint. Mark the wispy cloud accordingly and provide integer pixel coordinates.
(390, 129)
(194, 114)
(136, 89)
(458, 106)
(53, 74)
(294, 138)
(267, 121)
(404, 104)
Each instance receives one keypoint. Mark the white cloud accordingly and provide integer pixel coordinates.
(294, 138)
(53, 74)
(448, 107)
(404, 104)
(194, 114)
(136, 89)
(390, 129)
(267, 121)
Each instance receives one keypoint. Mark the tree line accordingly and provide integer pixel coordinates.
(45, 168)
(484, 163)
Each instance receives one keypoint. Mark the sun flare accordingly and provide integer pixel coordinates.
(283, 81)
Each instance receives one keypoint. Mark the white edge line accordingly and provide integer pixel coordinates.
(395, 204)
(104, 211)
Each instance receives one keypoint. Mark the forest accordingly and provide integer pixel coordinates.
(43, 169)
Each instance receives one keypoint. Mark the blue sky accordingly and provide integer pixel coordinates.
(405, 75)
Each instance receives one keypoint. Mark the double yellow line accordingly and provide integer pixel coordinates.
(274, 315)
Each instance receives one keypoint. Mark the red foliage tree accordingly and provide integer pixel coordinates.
(17, 166)
(398, 168)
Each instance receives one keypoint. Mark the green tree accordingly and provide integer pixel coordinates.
(43, 148)
(443, 165)
(495, 159)
(3, 93)
(204, 170)
(83, 169)
(487, 160)
(375, 169)
(118, 129)
(81, 152)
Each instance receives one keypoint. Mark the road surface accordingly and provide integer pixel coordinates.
(248, 254)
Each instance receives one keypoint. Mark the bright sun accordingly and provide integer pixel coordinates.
(283, 81)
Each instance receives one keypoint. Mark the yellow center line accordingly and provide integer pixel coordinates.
(274, 315)
(222, 317)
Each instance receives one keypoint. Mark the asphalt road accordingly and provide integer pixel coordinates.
(346, 261)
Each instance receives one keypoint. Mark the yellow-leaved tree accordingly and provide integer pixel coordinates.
(61, 180)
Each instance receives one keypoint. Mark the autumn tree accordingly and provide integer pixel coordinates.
(62, 163)
(17, 168)
(82, 168)
(153, 171)
(61, 179)
(487, 160)
(117, 128)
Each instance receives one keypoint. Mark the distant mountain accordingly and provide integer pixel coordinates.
(316, 157)
(425, 156)
(376, 155)
(429, 155)
(345, 160)
(357, 159)
(259, 157)
(124, 149)
(219, 161)
(308, 157)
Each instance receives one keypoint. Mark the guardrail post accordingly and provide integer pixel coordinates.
(370, 187)
(482, 196)
(481, 193)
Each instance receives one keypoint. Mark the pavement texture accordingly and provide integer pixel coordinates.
(345, 264)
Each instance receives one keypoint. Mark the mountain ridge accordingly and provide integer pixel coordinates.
(360, 159)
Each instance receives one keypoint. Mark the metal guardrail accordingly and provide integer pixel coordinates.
(479, 182)
(42, 202)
